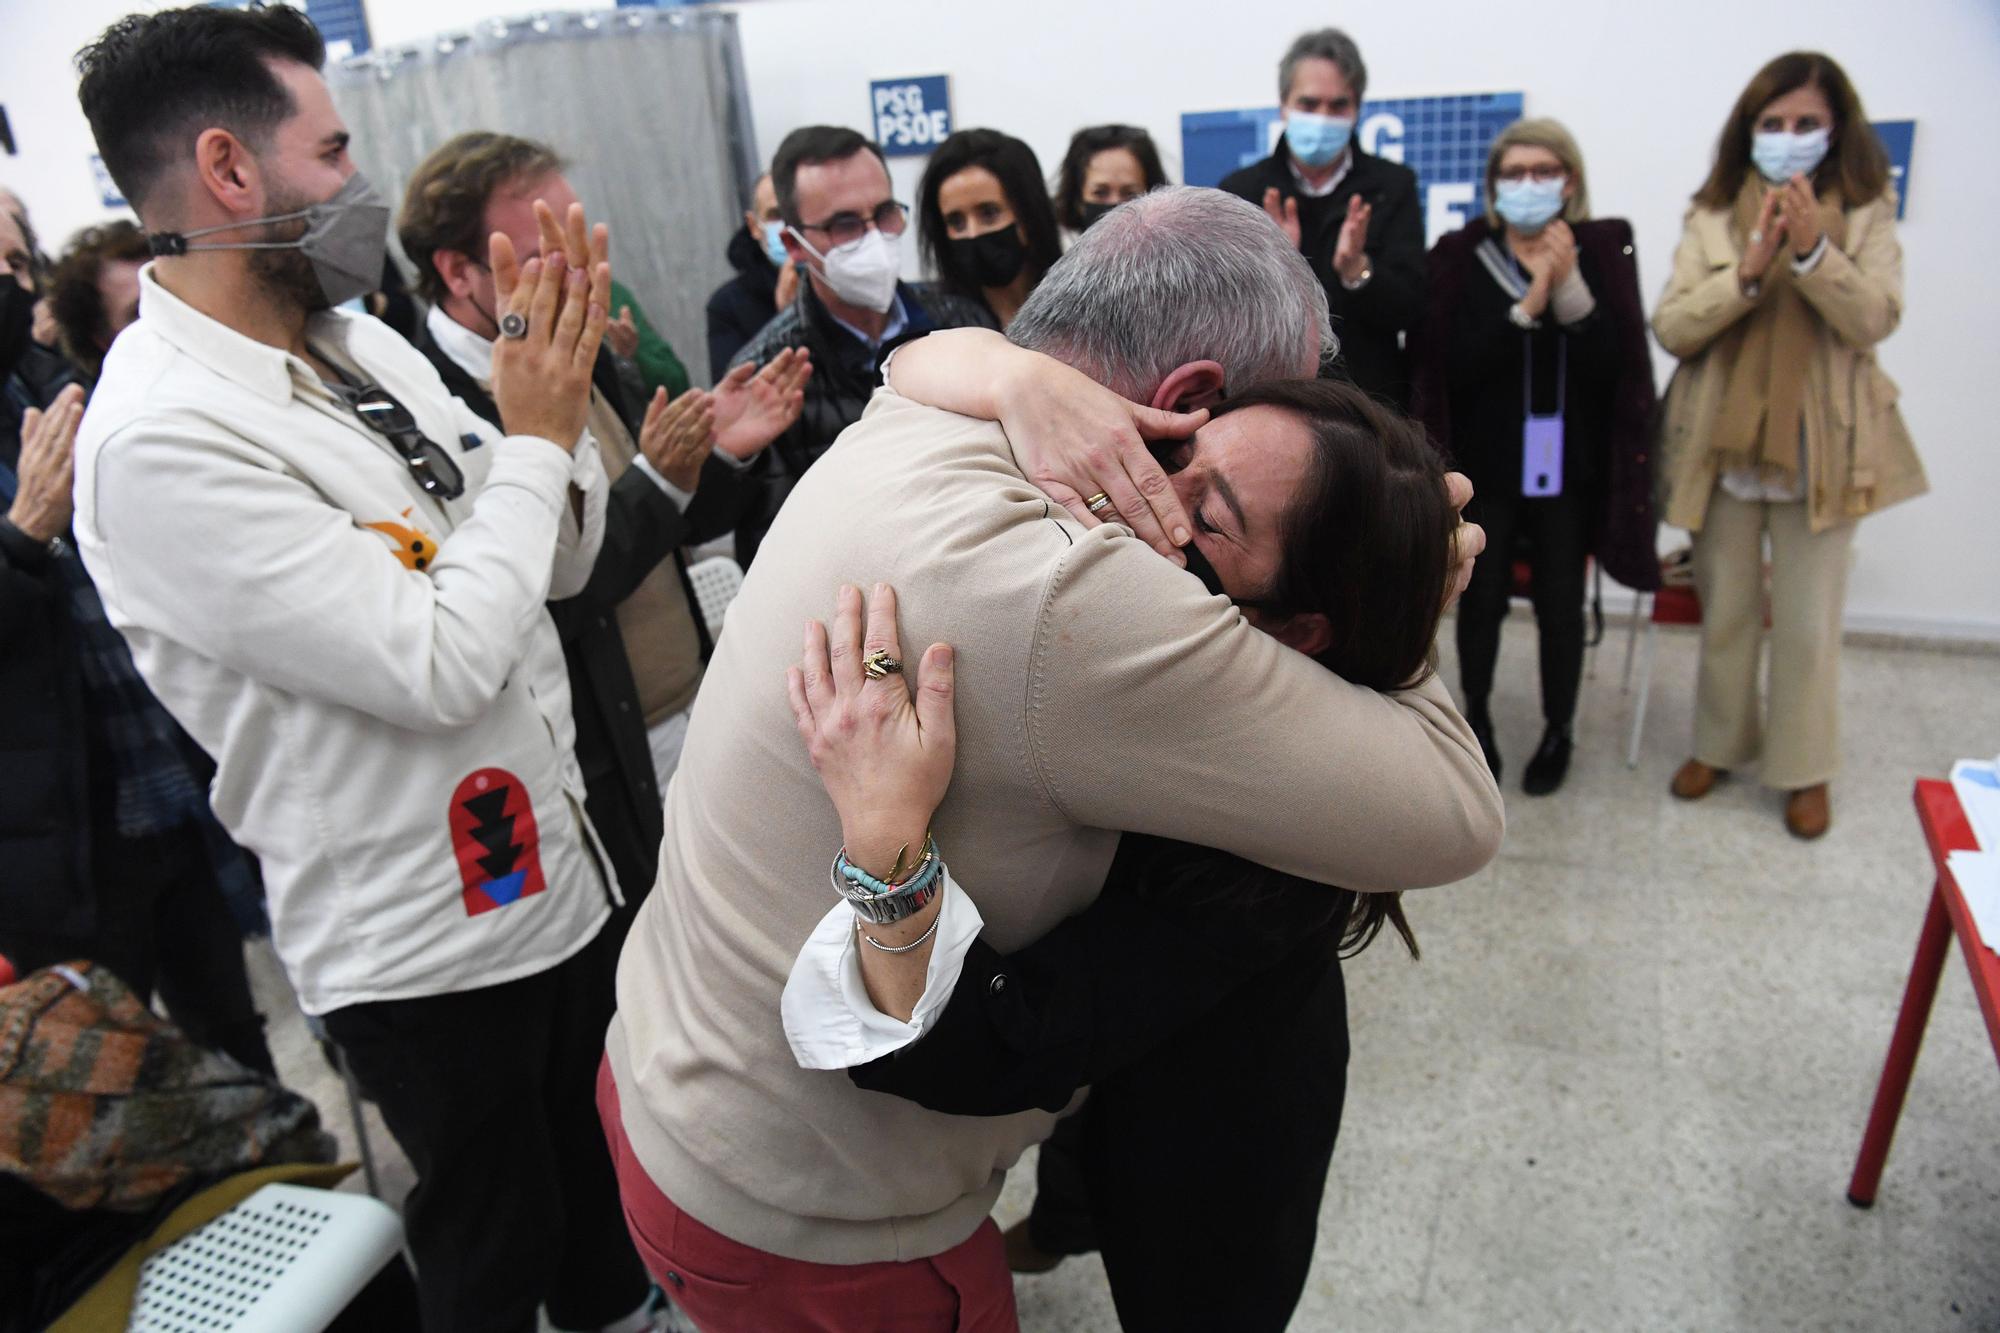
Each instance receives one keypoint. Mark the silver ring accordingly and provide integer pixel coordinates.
(1756, 236)
(513, 324)
(1098, 503)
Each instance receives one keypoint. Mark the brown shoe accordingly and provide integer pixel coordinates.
(1808, 813)
(1696, 780)
(1023, 1255)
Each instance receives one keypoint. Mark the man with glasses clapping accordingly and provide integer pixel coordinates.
(844, 230)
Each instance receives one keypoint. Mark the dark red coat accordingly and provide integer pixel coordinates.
(1624, 535)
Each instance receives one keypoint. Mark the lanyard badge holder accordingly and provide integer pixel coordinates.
(1542, 437)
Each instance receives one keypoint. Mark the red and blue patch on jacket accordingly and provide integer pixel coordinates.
(494, 838)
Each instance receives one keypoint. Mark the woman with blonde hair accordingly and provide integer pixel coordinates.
(1532, 372)
(1779, 426)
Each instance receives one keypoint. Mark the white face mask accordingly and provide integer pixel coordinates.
(862, 273)
(1780, 156)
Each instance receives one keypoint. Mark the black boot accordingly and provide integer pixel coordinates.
(1550, 765)
(1482, 727)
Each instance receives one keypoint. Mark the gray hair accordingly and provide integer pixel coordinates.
(1182, 274)
(1325, 44)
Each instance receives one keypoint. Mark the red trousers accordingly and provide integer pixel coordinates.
(728, 1287)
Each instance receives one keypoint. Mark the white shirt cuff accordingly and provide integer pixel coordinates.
(682, 499)
(1801, 267)
(829, 1019)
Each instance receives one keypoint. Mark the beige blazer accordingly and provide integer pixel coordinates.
(1859, 457)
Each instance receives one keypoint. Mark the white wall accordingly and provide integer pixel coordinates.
(1644, 87)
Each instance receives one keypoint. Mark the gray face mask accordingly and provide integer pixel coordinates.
(345, 240)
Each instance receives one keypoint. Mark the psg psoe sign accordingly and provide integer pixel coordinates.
(911, 116)
(1442, 139)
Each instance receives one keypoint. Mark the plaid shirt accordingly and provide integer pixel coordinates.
(154, 789)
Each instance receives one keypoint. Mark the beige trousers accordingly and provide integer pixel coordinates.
(1800, 742)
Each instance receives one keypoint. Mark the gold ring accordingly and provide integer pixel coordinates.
(879, 664)
(1098, 503)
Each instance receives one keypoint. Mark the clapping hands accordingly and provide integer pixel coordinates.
(741, 416)
(1350, 251)
(560, 300)
(754, 407)
(47, 465)
(1799, 207)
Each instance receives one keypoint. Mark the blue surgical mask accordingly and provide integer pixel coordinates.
(1781, 155)
(1317, 140)
(1528, 205)
(774, 243)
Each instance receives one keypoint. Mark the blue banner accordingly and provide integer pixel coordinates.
(911, 116)
(1899, 137)
(1442, 139)
(343, 23)
(107, 189)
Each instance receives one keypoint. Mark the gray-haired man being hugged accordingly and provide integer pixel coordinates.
(1100, 688)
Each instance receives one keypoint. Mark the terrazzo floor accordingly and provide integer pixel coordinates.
(1624, 1087)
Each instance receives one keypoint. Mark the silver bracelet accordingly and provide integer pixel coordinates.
(900, 948)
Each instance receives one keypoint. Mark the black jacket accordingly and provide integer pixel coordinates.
(1371, 322)
(45, 805)
(845, 375)
(1467, 386)
(1201, 999)
(641, 528)
(742, 305)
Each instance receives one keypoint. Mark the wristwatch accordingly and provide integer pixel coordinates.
(31, 552)
(1367, 272)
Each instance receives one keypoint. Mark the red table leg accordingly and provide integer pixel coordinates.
(1932, 946)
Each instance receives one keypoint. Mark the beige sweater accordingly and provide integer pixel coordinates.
(1100, 688)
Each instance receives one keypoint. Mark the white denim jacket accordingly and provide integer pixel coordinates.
(372, 669)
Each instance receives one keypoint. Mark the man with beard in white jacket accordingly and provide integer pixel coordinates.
(333, 574)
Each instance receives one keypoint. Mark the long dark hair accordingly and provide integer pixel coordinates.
(1855, 162)
(1020, 176)
(1368, 545)
(1088, 143)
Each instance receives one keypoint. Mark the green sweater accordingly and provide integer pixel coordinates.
(658, 366)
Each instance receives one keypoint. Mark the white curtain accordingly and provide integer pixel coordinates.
(648, 106)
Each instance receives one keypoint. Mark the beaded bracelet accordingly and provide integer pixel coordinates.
(883, 903)
(927, 865)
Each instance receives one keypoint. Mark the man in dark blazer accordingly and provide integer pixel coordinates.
(472, 186)
(1355, 217)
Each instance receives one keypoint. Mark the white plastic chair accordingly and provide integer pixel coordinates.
(716, 583)
(285, 1260)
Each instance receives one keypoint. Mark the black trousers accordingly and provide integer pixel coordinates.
(491, 1094)
(162, 926)
(1558, 528)
(1198, 1171)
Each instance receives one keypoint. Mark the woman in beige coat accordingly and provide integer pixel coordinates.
(1779, 424)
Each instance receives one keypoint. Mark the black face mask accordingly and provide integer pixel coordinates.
(1089, 214)
(992, 260)
(17, 323)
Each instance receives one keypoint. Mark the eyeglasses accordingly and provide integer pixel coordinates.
(1541, 173)
(378, 410)
(889, 218)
